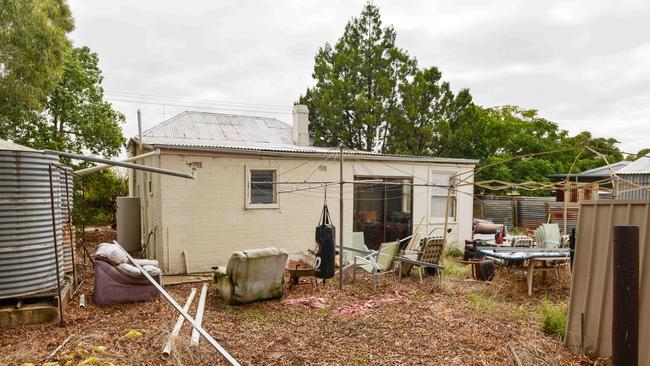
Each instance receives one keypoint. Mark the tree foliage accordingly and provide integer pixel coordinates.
(100, 191)
(77, 117)
(33, 45)
(371, 95)
(51, 95)
(511, 132)
(641, 153)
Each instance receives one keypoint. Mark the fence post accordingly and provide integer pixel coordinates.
(625, 317)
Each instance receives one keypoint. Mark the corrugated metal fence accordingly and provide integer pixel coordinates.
(589, 325)
(525, 212)
(632, 191)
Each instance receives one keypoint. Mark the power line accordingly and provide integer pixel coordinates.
(195, 106)
(121, 94)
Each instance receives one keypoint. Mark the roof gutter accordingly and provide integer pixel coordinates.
(352, 156)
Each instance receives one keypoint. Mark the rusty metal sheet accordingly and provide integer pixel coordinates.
(589, 325)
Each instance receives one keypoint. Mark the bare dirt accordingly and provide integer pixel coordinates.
(451, 322)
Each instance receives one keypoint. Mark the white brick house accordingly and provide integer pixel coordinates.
(231, 206)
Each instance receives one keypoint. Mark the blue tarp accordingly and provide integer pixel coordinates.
(522, 256)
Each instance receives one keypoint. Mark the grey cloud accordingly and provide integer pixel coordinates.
(582, 64)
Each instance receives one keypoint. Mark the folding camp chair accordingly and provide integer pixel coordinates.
(377, 263)
(428, 256)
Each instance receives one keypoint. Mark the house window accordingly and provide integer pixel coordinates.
(439, 197)
(262, 192)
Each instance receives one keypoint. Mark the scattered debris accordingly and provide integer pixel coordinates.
(360, 309)
(433, 324)
(167, 350)
(311, 302)
(515, 358)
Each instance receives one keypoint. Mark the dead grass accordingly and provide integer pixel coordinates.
(454, 322)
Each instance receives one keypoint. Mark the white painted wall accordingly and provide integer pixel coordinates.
(207, 217)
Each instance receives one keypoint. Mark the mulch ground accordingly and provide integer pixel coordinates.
(456, 321)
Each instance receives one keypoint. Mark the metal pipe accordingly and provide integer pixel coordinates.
(99, 167)
(167, 350)
(118, 163)
(56, 252)
(625, 310)
(178, 308)
(341, 219)
(67, 195)
(194, 342)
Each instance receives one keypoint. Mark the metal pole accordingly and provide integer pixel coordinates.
(625, 311)
(140, 129)
(444, 233)
(566, 207)
(341, 221)
(572, 248)
(231, 360)
(56, 252)
(119, 163)
(67, 195)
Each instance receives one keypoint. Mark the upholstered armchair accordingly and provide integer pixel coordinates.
(252, 275)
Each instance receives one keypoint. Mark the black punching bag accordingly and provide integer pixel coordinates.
(325, 253)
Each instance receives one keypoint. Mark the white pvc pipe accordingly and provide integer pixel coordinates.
(99, 167)
(167, 350)
(194, 342)
(231, 360)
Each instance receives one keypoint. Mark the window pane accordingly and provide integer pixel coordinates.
(442, 179)
(438, 204)
(262, 191)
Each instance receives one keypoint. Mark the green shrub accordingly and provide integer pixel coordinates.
(553, 317)
(454, 251)
(455, 269)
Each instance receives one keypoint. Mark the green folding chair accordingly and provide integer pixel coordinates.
(377, 263)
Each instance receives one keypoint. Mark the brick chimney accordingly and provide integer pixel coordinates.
(301, 125)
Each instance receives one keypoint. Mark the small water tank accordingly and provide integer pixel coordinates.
(128, 222)
(27, 256)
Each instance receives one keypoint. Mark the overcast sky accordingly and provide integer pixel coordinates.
(582, 64)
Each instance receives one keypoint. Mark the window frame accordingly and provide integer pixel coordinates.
(454, 201)
(248, 197)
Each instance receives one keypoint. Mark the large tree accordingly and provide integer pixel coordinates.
(357, 81)
(371, 95)
(77, 117)
(33, 45)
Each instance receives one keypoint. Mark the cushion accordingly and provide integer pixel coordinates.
(111, 253)
(134, 272)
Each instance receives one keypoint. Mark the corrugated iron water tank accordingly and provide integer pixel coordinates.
(27, 257)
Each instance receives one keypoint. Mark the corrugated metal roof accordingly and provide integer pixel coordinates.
(215, 131)
(639, 166)
(600, 172)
